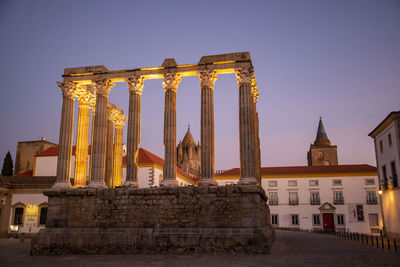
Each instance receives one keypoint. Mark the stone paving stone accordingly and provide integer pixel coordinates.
(289, 249)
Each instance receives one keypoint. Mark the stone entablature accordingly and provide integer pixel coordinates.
(155, 220)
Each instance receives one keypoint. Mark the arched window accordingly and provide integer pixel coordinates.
(18, 214)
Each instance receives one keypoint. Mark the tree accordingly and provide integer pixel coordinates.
(7, 165)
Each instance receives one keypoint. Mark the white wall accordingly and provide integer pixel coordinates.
(31, 211)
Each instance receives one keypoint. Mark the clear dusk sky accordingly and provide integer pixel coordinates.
(336, 59)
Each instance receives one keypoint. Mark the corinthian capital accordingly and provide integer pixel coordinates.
(208, 78)
(244, 75)
(120, 119)
(171, 81)
(68, 89)
(103, 86)
(135, 84)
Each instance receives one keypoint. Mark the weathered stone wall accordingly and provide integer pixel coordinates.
(156, 220)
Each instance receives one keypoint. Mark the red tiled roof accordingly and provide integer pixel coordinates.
(45, 181)
(53, 151)
(27, 173)
(305, 169)
(146, 156)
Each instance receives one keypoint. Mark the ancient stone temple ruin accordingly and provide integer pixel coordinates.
(101, 218)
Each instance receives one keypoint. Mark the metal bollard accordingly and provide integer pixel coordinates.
(377, 242)
(395, 244)
(383, 243)
(388, 241)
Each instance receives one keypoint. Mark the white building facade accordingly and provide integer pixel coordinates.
(387, 150)
(320, 198)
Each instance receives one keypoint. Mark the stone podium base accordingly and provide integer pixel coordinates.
(190, 219)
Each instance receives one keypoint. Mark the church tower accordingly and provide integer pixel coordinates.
(322, 153)
(189, 155)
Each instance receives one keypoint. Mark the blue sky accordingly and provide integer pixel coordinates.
(335, 59)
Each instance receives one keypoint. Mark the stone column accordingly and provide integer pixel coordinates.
(135, 85)
(109, 146)
(207, 80)
(170, 84)
(119, 121)
(66, 136)
(255, 96)
(93, 105)
(82, 139)
(246, 127)
(100, 133)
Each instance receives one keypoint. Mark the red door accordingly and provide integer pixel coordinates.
(327, 219)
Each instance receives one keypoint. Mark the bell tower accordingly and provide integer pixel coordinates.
(322, 153)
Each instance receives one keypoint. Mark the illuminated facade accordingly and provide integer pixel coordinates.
(387, 150)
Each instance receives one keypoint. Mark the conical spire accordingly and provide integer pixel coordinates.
(322, 138)
(188, 139)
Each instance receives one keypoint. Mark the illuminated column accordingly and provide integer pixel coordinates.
(109, 145)
(135, 85)
(91, 139)
(100, 134)
(82, 139)
(246, 127)
(255, 96)
(170, 84)
(119, 121)
(66, 136)
(207, 80)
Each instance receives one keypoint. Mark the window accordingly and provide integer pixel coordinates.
(273, 198)
(373, 220)
(394, 174)
(390, 140)
(295, 219)
(316, 219)
(337, 182)
(385, 179)
(360, 213)
(338, 197)
(381, 146)
(369, 181)
(321, 155)
(272, 183)
(315, 198)
(314, 183)
(292, 183)
(340, 219)
(293, 198)
(274, 219)
(19, 212)
(43, 215)
(371, 197)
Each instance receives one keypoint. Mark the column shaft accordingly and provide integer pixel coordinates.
(82, 145)
(91, 144)
(100, 135)
(135, 85)
(170, 83)
(65, 137)
(133, 139)
(109, 152)
(207, 80)
(117, 162)
(246, 129)
(169, 172)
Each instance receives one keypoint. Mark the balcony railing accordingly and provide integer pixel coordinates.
(273, 201)
(315, 201)
(293, 201)
(338, 200)
(372, 201)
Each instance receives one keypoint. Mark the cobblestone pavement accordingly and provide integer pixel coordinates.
(290, 249)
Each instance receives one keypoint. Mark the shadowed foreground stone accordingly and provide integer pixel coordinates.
(156, 220)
